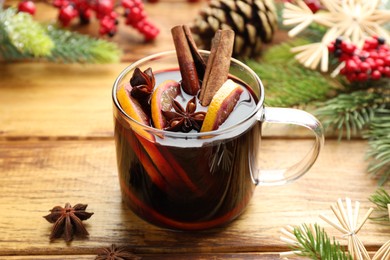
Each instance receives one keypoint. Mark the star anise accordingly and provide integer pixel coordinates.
(142, 84)
(116, 253)
(67, 221)
(184, 119)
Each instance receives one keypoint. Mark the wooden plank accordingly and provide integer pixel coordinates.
(37, 175)
(57, 100)
(233, 256)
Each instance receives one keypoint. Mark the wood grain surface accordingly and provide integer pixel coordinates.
(56, 146)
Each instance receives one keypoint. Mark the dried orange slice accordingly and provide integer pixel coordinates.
(221, 105)
(162, 101)
(131, 106)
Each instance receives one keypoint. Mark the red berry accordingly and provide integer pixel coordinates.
(382, 54)
(27, 7)
(379, 62)
(372, 42)
(331, 47)
(314, 5)
(386, 71)
(351, 66)
(67, 14)
(103, 8)
(375, 75)
(351, 77)
(366, 47)
(362, 77)
(371, 62)
(374, 54)
(127, 4)
(348, 47)
(364, 66)
(387, 60)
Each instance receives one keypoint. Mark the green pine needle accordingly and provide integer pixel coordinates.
(379, 145)
(287, 83)
(23, 38)
(75, 47)
(381, 199)
(317, 245)
(25, 35)
(350, 113)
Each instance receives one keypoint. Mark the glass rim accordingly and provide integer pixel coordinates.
(153, 130)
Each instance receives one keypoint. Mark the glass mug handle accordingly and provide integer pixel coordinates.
(294, 117)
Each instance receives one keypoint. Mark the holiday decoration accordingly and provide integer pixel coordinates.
(371, 62)
(382, 211)
(287, 82)
(311, 241)
(345, 108)
(254, 23)
(354, 20)
(314, 243)
(69, 10)
(383, 253)
(348, 225)
(23, 38)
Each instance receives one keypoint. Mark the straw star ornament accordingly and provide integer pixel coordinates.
(354, 20)
(348, 225)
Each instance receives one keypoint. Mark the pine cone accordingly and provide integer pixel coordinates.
(254, 22)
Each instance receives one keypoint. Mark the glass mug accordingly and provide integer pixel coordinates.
(197, 181)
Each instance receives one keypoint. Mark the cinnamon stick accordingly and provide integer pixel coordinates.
(190, 62)
(218, 64)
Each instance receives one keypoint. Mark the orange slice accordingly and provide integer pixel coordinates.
(221, 105)
(131, 106)
(162, 100)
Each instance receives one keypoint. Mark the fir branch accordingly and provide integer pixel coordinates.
(316, 244)
(382, 201)
(75, 47)
(350, 113)
(379, 145)
(21, 36)
(286, 82)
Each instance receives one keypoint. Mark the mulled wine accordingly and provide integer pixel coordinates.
(188, 186)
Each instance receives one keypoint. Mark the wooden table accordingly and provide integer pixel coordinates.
(56, 146)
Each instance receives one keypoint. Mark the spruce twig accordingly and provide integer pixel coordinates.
(287, 82)
(312, 242)
(75, 47)
(382, 201)
(23, 38)
(350, 113)
(378, 153)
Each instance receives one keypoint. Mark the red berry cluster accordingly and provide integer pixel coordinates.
(136, 17)
(104, 11)
(372, 62)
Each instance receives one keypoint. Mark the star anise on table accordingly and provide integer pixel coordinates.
(67, 221)
(116, 253)
(184, 119)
